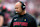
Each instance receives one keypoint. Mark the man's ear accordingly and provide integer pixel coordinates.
(1, 20)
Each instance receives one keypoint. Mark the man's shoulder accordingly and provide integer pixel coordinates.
(30, 17)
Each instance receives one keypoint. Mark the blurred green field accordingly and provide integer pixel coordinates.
(38, 26)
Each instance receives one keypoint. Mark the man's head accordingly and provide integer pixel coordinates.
(19, 7)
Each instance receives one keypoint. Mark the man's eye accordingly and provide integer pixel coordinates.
(16, 8)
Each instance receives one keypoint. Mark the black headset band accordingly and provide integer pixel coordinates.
(22, 5)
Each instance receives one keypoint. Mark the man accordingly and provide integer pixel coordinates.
(3, 21)
(1, 18)
(22, 19)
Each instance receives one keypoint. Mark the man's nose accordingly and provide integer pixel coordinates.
(16, 9)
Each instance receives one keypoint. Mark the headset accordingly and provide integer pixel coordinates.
(23, 5)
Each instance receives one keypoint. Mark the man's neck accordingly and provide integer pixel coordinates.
(22, 13)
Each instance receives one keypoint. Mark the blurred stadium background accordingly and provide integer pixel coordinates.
(32, 7)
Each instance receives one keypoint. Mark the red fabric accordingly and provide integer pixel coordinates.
(22, 23)
(4, 7)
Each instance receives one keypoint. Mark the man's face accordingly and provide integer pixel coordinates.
(18, 7)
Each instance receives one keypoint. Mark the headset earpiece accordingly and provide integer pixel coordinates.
(23, 5)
